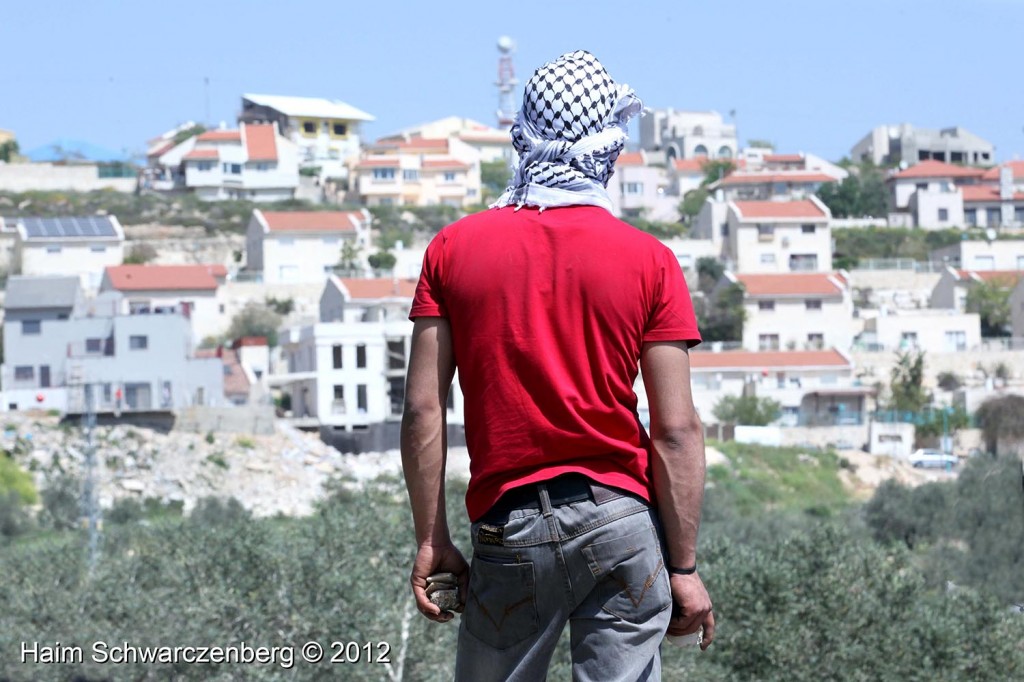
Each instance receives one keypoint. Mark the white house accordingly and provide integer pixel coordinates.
(759, 159)
(688, 134)
(799, 310)
(777, 236)
(82, 246)
(302, 246)
(951, 291)
(419, 172)
(640, 190)
(996, 205)
(325, 131)
(346, 373)
(1001, 254)
(187, 290)
(814, 387)
(253, 162)
(929, 330)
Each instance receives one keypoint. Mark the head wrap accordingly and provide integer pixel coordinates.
(568, 133)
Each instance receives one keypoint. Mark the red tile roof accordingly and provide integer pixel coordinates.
(791, 284)
(751, 360)
(378, 163)
(986, 193)
(443, 163)
(201, 154)
(750, 210)
(220, 136)
(380, 287)
(434, 144)
(312, 221)
(783, 158)
(1007, 278)
(163, 277)
(260, 144)
(630, 159)
(1016, 166)
(937, 169)
(695, 166)
(769, 178)
(250, 341)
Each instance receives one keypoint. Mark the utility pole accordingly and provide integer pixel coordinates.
(92, 509)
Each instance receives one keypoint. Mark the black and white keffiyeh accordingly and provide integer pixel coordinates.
(568, 133)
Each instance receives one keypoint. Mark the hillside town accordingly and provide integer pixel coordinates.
(300, 315)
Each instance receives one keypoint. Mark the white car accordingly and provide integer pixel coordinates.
(932, 459)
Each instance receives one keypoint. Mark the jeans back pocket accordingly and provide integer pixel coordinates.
(632, 569)
(501, 608)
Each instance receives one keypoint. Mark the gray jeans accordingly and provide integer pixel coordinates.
(598, 566)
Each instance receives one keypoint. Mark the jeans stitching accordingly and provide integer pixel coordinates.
(582, 530)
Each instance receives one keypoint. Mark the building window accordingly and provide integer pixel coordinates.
(361, 355)
(1018, 214)
(724, 229)
(309, 127)
(815, 341)
(765, 233)
(361, 402)
(232, 168)
(922, 186)
(138, 342)
(286, 241)
(956, 341)
(383, 173)
(338, 404)
(813, 304)
(993, 219)
(766, 305)
(330, 241)
(386, 201)
(94, 345)
(396, 354)
(971, 217)
(808, 229)
(633, 188)
(31, 327)
(53, 248)
(767, 259)
(263, 166)
(411, 174)
(204, 166)
(24, 373)
(449, 176)
(908, 340)
(340, 129)
(98, 248)
(803, 262)
(336, 356)
(768, 341)
(943, 215)
(396, 394)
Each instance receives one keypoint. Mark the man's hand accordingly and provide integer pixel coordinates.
(431, 559)
(691, 608)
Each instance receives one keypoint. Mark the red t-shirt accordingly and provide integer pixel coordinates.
(548, 311)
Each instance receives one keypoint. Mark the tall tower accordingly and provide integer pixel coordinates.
(506, 82)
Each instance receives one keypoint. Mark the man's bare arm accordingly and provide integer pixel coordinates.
(424, 437)
(677, 464)
(424, 451)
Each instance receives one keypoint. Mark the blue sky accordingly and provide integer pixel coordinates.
(809, 75)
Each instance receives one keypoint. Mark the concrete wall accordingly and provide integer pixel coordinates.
(894, 440)
(844, 437)
(30, 177)
(250, 419)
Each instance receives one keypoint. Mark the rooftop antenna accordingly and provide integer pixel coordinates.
(506, 82)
